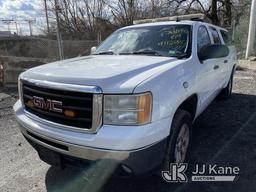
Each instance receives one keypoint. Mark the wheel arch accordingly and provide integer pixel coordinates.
(190, 105)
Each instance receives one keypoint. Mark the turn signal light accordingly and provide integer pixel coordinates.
(69, 113)
(30, 104)
(145, 104)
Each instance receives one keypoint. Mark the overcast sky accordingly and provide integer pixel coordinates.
(21, 10)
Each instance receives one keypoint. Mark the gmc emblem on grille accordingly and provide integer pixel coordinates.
(48, 104)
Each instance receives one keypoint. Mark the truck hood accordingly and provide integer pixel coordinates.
(112, 73)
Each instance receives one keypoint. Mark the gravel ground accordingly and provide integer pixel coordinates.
(224, 134)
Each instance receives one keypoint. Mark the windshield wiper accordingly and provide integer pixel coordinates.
(105, 53)
(156, 53)
(149, 52)
(181, 56)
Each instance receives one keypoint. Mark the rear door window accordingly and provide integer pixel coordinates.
(215, 35)
(203, 38)
(226, 37)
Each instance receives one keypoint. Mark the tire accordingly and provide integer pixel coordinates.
(182, 121)
(227, 91)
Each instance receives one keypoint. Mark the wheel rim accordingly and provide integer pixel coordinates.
(182, 144)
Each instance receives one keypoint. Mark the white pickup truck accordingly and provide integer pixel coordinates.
(133, 100)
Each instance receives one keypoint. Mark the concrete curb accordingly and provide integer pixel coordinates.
(247, 64)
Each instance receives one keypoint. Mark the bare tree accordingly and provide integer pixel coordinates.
(124, 11)
(220, 12)
(85, 19)
(80, 19)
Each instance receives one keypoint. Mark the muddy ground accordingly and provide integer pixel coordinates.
(225, 134)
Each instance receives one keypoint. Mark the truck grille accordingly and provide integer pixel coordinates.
(69, 108)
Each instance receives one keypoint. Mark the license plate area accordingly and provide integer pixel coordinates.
(49, 156)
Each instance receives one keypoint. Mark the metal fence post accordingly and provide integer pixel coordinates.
(252, 28)
(59, 39)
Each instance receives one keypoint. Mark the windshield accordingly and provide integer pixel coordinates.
(163, 40)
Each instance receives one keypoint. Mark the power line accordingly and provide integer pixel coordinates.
(8, 22)
(16, 22)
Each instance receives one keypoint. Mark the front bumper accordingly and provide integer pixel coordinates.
(72, 149)
(138, 148)
(138, 161)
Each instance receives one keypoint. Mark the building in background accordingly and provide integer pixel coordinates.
(5, 34)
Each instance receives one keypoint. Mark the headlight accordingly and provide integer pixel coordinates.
(127, 109)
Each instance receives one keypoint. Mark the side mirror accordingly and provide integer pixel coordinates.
(213, 52)
(93, 50)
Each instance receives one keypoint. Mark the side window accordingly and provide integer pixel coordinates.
(225, 37)
(215, 35)
(203, 38)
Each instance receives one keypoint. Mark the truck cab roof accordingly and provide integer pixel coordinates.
(182, 22)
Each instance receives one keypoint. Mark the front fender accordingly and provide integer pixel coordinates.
(168, 91)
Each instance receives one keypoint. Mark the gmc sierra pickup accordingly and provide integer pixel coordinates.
(133, 100)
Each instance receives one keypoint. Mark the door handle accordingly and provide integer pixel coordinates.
(216, 67)
(225, 61)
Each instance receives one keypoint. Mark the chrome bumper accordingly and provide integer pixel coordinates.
(74, 150)
(140, 160)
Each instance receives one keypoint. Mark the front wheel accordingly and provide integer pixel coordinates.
(180, 137)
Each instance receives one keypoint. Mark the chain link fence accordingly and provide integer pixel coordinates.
(43, 48)
(18, 54)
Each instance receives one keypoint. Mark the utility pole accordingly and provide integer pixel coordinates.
(46, 15)
(16, 26)
(252, 29)
(59, 39)
(30, 22)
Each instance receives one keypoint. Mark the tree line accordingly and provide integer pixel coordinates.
(91, 19)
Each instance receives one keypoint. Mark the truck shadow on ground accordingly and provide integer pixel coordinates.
(223, 134)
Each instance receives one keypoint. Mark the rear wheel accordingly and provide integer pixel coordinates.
(227, 91)
(180, 137)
